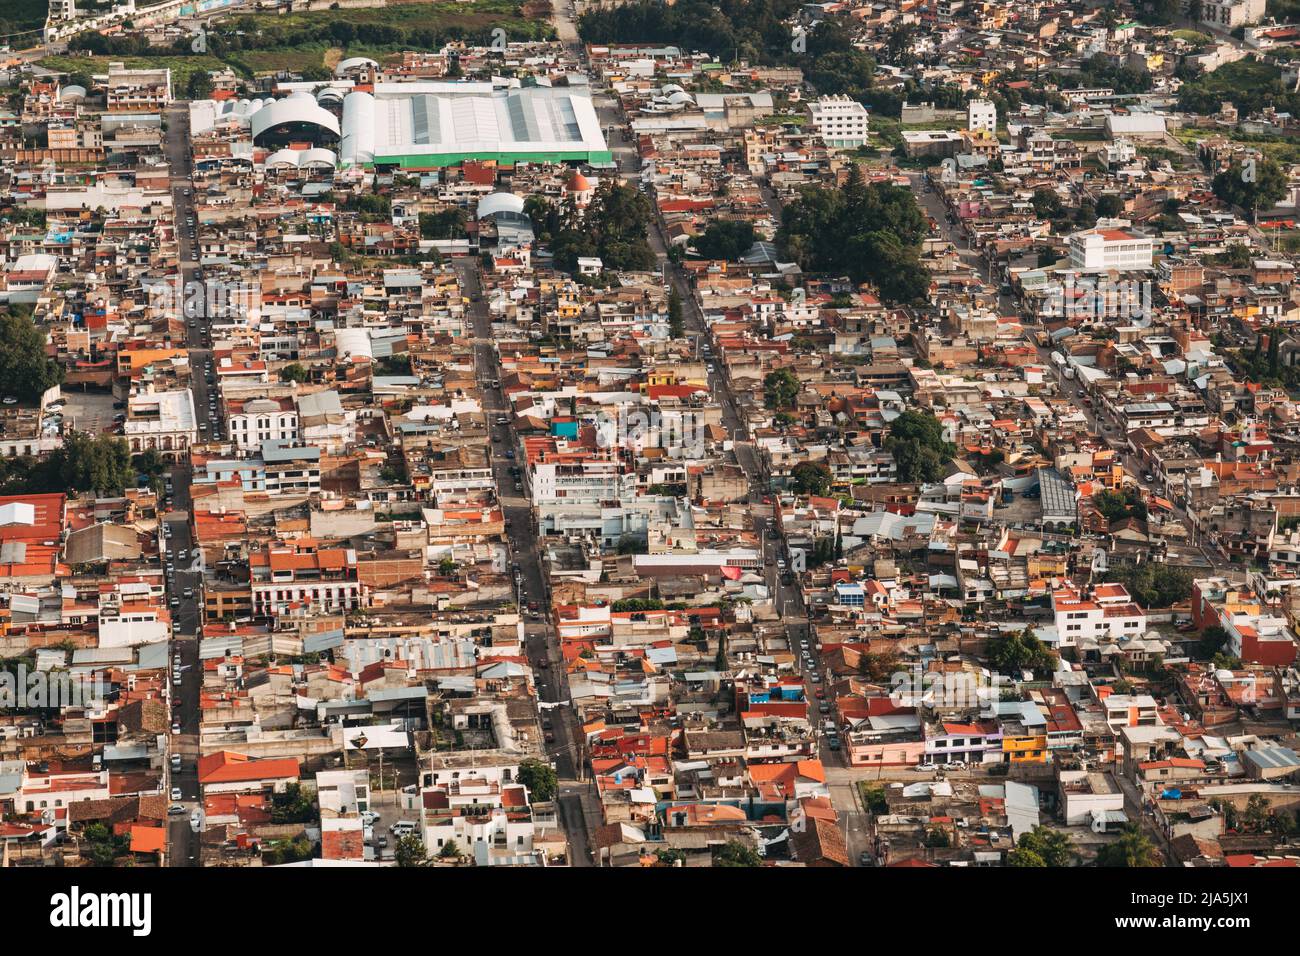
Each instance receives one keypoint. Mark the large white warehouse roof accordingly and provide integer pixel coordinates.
(442, 124)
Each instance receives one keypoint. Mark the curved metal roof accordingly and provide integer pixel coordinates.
(494, 203)
(298, 108)
(351, 63)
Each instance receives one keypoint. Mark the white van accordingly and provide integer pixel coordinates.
(402, 828)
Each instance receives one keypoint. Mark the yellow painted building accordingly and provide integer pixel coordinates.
(1025, 748)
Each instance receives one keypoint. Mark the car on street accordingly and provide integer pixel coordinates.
(175, 810)
(176, 794)
(176, 726)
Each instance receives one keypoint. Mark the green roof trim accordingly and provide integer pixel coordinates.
(427, 160)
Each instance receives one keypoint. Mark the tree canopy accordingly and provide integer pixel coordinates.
(539, 778)
(1153, 584)
(735, 853)
(725, 239)
(811, 478)
(780, 388)
(869, 232)
(612, 227)
(1251, 187)
(1022, 651)
(100, 463)
(1043, 846)
(1132, 849)
(25, 370)
(920, 452)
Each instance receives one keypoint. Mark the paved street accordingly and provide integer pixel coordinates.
(186, 616)
(540, 638)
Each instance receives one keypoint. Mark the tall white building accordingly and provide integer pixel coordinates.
(1108, 614)
(1105, 249)
(981, 114)
(840, 121)
(259, 420)
(1230, 14)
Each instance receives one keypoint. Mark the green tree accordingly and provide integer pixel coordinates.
(1047, 203)
(920, 452)
(1213, 640)
(294, 373)
(450, 851)
(539, 778)
(1022, 651)
(153, 467)
(1116, 506)
(1043, 846)
(1132, 849)
(735, 853)
(676, 324)
(780, 388)
(410, 851)
(199, 86)
(670, 856)
(630, 543)
(1255, 818)
(1251, 185)
(725, 239)
(293, 805)
(870, 232)
(25, 370)
(612, 227)
(1109, 206)
(101, 464)
(1154, 584)
(811, 478)
(445, 224)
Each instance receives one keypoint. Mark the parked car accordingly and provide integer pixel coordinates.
(176, 794)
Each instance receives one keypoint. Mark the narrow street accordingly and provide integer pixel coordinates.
(185, 582)
(540, 639)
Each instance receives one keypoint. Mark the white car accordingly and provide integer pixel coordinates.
(196, 821)
(176, 794)
(369, 818)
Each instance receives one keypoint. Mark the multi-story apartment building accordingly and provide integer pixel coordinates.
(840, 121)
(283, 577)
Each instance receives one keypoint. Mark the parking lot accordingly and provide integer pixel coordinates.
(89, 411)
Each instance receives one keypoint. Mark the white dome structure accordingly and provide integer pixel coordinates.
(297, 110)
(494, 203)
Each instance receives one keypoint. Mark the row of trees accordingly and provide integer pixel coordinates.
(98, 463)
(248, 33)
